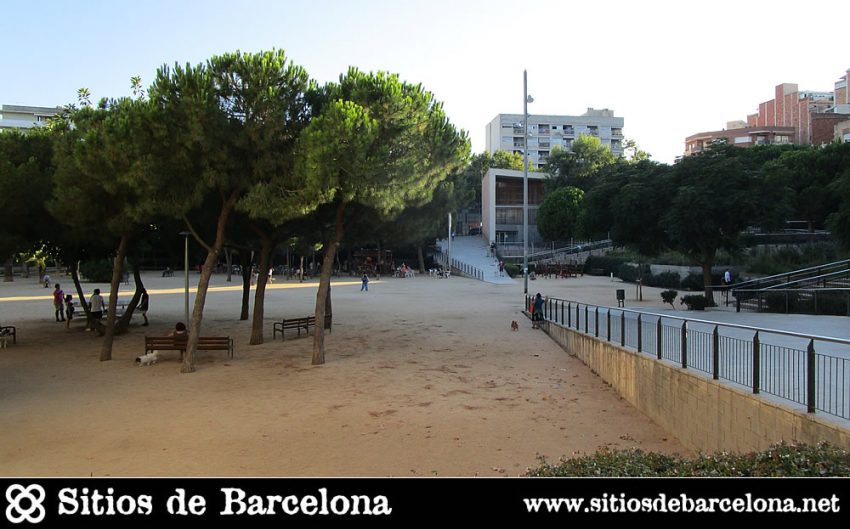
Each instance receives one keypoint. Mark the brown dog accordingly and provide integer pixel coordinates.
(514, 325)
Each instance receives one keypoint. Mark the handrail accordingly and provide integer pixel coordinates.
(845, 262)
(809, 278)
(713, 322)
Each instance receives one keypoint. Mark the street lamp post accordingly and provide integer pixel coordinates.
(186, 235)
(525, 101)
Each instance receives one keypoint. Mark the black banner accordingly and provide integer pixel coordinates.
(422, 503)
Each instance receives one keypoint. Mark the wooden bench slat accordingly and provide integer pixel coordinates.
(180, 343)
(299, 323)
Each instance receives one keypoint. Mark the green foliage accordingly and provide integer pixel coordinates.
(696, 302)
(789, 258)
(579, 166)
(506, 160)
(665, 279)
(692, 282)
(607, 264)
(97, 271)
(513, 269)
(779, 460)
(669, 296)
(557, 218)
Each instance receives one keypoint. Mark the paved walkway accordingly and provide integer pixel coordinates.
(474, 251)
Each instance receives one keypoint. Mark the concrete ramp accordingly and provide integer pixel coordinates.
(474, 252)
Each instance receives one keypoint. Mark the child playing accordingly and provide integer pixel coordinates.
(69, 311)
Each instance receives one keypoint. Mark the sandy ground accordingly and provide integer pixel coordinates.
(423, 377)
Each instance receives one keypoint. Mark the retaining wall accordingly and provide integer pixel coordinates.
(702, 413)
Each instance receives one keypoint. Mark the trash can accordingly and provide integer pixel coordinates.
(621, 297)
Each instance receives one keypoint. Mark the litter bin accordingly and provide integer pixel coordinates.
(621, 297)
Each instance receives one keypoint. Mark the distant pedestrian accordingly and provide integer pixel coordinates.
(46, 280)
(59, 304)
(144, 303)
(365, 280)
(69, 310)
(537, 311)
(501, 268)
(727, 277)
(96, 309)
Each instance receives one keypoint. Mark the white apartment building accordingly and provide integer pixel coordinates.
(25, 117)
(505, 133)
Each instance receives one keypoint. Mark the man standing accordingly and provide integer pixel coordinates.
(365, 286)
(59, 304)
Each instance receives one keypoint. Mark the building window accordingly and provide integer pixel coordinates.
(593, 130)
(509, 216)
(543, 128)
(509, 191)
(568, 129)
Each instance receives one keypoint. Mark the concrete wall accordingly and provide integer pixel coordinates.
(705, 415)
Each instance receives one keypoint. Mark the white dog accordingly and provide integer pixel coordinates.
(147, 359)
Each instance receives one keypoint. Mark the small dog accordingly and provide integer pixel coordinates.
(147, 359)
(514, 325)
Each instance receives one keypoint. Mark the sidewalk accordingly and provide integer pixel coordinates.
(474, 250)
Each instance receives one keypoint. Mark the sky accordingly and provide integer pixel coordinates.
(669, 68)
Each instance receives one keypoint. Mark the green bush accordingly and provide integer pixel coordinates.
(607, 264)
(696, 302)
(627, 272)
(693, 282)
(666, 279)
(669, 296)
(99, 271)
(513, 269)
(780, 460)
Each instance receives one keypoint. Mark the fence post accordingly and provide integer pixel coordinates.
(586, 323)
(659, 332)
(570, 315)
(684, 344)
(608, 320)
(756, 363)
(639, 333)
(623, 329)
(562, 312)
(810, 377)
(596, 322)
(578, 318)
(715, 354)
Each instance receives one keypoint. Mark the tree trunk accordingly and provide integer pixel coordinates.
(325, 286)
(421, 256)
(204, 284)
(266, 247)
(8, 276)
(124, 323)
(81, 296)
(228, 257)
(706, 278)
(245, 265)
(106, 348)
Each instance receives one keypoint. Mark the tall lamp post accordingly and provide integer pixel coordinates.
(525, 101)
(186, 235)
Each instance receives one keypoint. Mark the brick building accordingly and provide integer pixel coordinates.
(810, 116)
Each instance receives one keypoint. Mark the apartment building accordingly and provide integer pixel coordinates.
(545, 132)
(25, 117)
(812, 117)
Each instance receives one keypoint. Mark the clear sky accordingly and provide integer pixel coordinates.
(669, 68)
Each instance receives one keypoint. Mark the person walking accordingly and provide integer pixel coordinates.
(59, 303)
(143, 305)
(69, 311)
(537, 311)
(365, 286)
(96, 309)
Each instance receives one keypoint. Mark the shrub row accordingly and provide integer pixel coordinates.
(780, 460)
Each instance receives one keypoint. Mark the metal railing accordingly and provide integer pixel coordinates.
(458, 266)
(810, 370)
(798, 292)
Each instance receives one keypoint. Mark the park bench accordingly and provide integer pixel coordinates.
(298, 324)
(179, 344)
(6, 332)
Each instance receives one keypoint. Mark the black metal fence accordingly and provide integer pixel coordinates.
(458, 267)
(810, 370)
